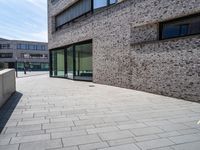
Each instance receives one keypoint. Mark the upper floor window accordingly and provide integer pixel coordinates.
(4, 46)
(103, 3)
(78, 9)
(180, 27)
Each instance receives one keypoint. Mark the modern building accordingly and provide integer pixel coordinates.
(23, 54)
(147, 45)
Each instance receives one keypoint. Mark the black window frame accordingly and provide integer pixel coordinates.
(60, 26)
(65, 59)
(84, 14)
(161, 26)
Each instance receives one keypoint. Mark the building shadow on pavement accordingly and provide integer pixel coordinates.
(7, 109)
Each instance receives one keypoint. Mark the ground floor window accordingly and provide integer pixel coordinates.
(73, 62)
(32, 66)
(58, 68)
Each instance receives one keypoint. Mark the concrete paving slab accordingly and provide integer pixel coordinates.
(62, 114)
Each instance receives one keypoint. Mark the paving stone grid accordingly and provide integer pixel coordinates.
(60, 114)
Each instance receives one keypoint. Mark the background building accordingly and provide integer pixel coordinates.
(148, 45)
(31, 55)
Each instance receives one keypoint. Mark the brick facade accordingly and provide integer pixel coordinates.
(127, 51)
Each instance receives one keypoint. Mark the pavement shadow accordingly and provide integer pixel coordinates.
(7, 109)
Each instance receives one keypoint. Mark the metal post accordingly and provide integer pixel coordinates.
(16, 68)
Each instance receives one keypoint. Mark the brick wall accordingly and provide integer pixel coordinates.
(126, 49)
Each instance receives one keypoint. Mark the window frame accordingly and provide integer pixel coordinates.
(161, 26)
(65, 59)
(57, 28)
(60, 26)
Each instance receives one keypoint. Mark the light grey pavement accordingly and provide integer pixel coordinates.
(60, 114)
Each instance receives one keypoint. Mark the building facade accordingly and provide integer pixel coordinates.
(23, 54)
(147, 45)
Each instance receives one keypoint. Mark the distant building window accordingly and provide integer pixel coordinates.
(34, 56)
(22, 46)
(6, 55)
(4, 46)
(100, 3)
(180, 27)
(41, 47)
(31, 47)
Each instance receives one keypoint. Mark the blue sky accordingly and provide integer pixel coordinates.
(23, 20)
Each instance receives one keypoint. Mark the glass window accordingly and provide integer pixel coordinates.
(44, 66)
(4, 46)
(36, 55)
(100, 3)
(43, 47)
(6, 55)
(40, 47)
(31, 47)
(24, 46)
(20, 65)
(74, 62)
(180, 27)
(103, 3)
(78, 9)
(58, 67)
(113, 1)
(83, 61)
(18, 46)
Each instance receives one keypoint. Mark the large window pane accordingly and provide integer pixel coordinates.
(78, 9)
(83, 62)
(70, 63)
(58, 68)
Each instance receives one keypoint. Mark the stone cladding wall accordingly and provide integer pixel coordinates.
(127, 51)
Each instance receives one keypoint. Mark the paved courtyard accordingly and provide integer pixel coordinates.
(58, 114)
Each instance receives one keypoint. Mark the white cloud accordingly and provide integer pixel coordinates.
(42, 4)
